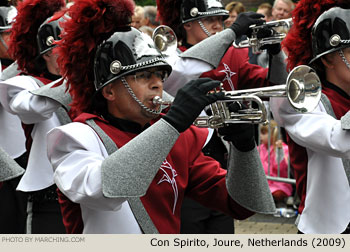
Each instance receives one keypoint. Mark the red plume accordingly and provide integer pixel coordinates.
(298, 40)
(23, 45)
(168, 12)
(88, 24)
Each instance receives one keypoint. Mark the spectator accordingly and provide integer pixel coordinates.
(150, 16)
(266, 10)
(136, 19)
(282, 9)
(274, 157)
(233, 8)
(147, 30)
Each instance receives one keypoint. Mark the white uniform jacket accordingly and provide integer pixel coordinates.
(78, 175)
(31, 109)
(327, 202)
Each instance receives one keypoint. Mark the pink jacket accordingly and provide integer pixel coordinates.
(274, 185)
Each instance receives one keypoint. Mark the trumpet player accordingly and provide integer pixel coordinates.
(199, 28)
(121, 166)
(12, 140)
(319, 141)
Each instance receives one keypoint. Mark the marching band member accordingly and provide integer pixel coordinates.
(38, 66)
(200, 23)
(121, 166)
(318, 141)
(199, 27)
(12, 140)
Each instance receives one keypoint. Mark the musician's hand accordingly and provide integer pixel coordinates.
(265, 33)
(190, 100)
(244, 20)
(240, 134)
(272, 49)
(279, 144)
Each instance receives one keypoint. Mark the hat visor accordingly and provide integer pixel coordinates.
(327, 52)
(224, 15)
(158, 64)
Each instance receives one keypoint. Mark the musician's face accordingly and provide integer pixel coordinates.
(337, 72)
(146, 85)
(4, 46)
(51, 62)
(195, 33)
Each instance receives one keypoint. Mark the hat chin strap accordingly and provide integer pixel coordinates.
(132, 94)
(204, 28)
(341, 53)
(3, 43)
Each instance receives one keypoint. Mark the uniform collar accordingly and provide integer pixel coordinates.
(50, 76)
(336, 89)
(6, 62)
(125, 125)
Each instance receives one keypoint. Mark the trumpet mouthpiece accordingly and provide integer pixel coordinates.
(159, 101)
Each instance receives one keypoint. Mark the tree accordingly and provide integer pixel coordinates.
(145, 2)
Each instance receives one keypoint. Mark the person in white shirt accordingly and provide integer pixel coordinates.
(38, 67)
(318, 141)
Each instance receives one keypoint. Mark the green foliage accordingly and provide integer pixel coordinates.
(145, 2)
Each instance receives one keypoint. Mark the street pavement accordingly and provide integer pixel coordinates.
(266, 224)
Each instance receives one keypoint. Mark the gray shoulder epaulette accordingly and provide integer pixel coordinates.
(10, 71)
(212, 49)
(9, 169)
(126, 173)
(129, 171)
(246, 181)
(345, 121)
(59, 93)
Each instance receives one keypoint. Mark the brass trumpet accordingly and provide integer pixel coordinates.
(278, 29)
(164, 39)
(303, 91)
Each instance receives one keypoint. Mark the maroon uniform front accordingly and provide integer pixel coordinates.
(185, 171)
(235, 71)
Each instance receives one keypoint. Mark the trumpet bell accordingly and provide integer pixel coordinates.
(303, 89)
(165, 39)
(278, 29)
